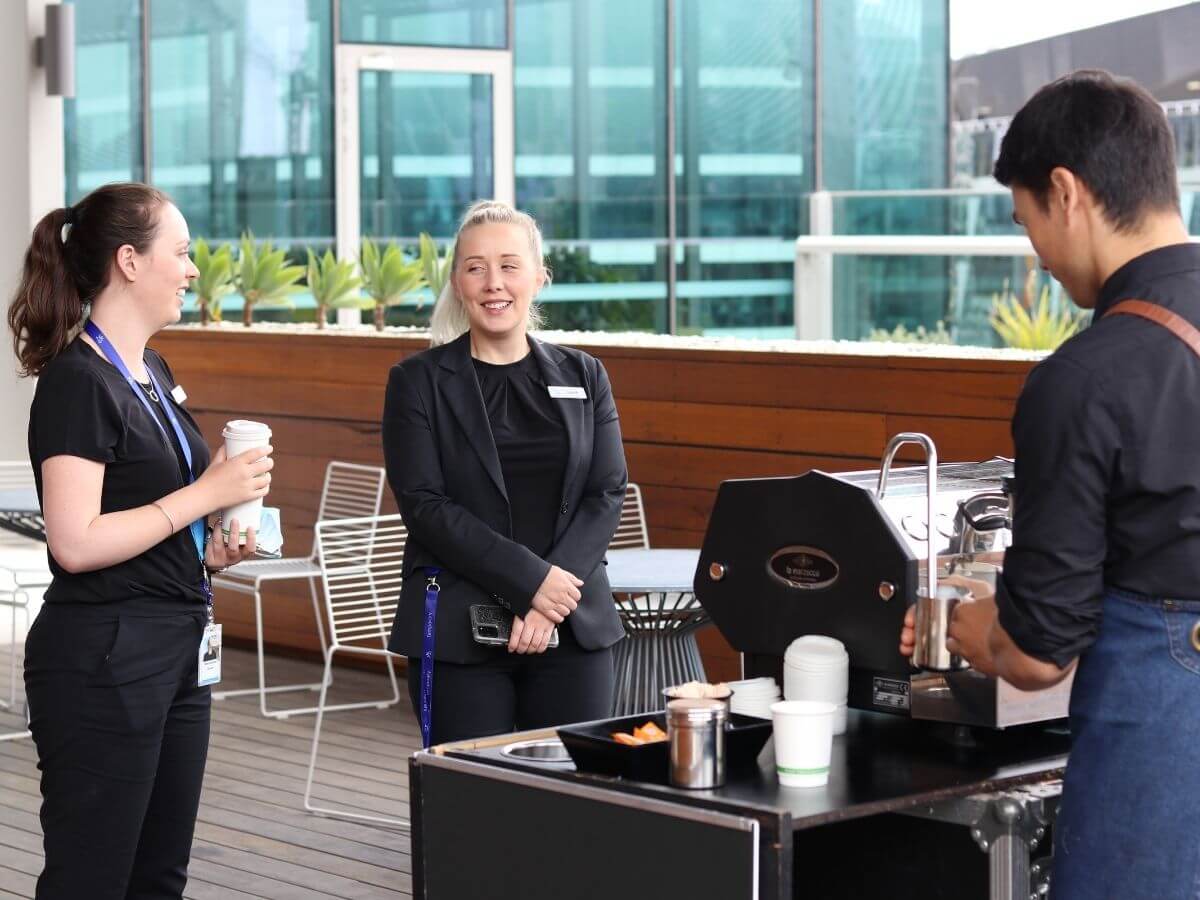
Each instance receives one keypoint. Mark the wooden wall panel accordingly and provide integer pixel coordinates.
(690, 418)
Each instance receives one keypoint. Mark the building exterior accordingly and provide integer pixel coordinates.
(234, 108)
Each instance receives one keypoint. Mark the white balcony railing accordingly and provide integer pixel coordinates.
(813, 298)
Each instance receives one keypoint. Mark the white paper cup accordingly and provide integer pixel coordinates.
(803, 741)
(242, 435)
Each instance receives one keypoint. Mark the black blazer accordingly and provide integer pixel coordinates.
(444, 469)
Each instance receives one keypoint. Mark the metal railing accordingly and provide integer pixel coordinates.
(813, 297)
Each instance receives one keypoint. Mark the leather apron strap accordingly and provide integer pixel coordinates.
(1173, 322)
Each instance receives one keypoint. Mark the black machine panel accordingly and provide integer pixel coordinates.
(807, 554)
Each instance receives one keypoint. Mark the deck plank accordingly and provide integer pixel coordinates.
(253, 837)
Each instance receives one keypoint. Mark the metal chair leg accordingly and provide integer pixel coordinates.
(262, 690)
(312, 762)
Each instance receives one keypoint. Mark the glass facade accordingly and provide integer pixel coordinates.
(590, 133)
(103, 123)
(241, 110)
(241, 102)
(433, 23)
(745, 149)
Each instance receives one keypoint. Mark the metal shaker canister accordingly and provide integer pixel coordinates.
(696, 734)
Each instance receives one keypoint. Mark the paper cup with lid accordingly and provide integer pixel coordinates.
(242, 435)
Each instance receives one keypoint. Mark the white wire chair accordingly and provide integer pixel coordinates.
(350, 491)
(632, 533)
(362, 564)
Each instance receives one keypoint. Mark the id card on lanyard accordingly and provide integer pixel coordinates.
(209, 658)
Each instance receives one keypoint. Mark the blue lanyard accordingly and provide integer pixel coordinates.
(427, 637)
(197, 527)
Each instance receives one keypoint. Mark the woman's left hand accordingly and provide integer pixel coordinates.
(531, 634)
(223, 552)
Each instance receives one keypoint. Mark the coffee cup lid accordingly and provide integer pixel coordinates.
(245, 428)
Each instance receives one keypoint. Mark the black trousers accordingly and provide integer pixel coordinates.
(122, 735)
(516, 692)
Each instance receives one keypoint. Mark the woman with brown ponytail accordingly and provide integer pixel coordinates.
(118, 711)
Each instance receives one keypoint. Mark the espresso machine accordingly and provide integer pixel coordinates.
(845, 555)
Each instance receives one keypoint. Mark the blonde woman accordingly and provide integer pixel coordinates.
(504, 453)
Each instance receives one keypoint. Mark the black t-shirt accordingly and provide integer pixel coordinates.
(84, 407)
(531, 441)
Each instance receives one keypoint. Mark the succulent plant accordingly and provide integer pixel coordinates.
(215, 279)
(388, 277)
(436, 269)
(333, 283)
(264, 276)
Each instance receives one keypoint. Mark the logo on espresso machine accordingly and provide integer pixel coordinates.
(805, 568)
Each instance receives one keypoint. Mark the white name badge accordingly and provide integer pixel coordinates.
(178, 394)
(208, 665)
(566, 392)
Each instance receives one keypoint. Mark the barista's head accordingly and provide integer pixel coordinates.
(1090, 160)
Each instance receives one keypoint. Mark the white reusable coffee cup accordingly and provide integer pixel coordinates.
(242, 435)
(803, 741)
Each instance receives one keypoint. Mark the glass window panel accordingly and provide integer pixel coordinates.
(590, 140)
(103, 122)
(884, 127)
(436, 23)
(426, 145)
(884, 95)
(242, 116)
(744, 125)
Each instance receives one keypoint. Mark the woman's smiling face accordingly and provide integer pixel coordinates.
(496, 277)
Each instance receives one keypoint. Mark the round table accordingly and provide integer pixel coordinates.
(653, 592)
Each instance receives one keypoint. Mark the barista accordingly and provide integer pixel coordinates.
(1104, 572)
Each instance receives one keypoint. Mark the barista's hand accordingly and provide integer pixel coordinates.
(531, 634)
(558, 596)
(971, 623)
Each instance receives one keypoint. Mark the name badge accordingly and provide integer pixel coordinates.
(178, 394)
(208, 665)
(566, 392)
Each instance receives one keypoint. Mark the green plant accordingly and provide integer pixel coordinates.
(1027, 325)
(436, 269)
(919, 335)
(264, 276)
(333, 283)
(388, 277)
(215, 279)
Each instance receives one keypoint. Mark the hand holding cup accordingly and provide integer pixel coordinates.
(244, 477)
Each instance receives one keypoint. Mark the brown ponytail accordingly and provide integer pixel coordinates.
(69, 262)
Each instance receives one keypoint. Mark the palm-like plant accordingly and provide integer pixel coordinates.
(388, 277)
(436, 269)
(333, 283)
(1029, 325)
(215, 279)
(264, 276)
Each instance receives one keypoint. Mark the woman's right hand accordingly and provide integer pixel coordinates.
(232, 481)
(558, 596)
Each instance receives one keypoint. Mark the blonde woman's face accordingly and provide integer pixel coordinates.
(496, 277)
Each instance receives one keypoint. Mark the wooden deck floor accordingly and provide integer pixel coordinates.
(253, 837)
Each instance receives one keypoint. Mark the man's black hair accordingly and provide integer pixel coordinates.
(1108, 131)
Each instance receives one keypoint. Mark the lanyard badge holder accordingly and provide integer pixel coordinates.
(432, 589)
(209, 656)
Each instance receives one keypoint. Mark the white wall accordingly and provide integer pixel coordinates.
(31, 170)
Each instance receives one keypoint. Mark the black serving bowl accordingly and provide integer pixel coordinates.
(593, 749)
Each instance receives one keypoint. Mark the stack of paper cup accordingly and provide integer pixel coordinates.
(242, 435)
(817, 668)
(803, 732)
(753, 697)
